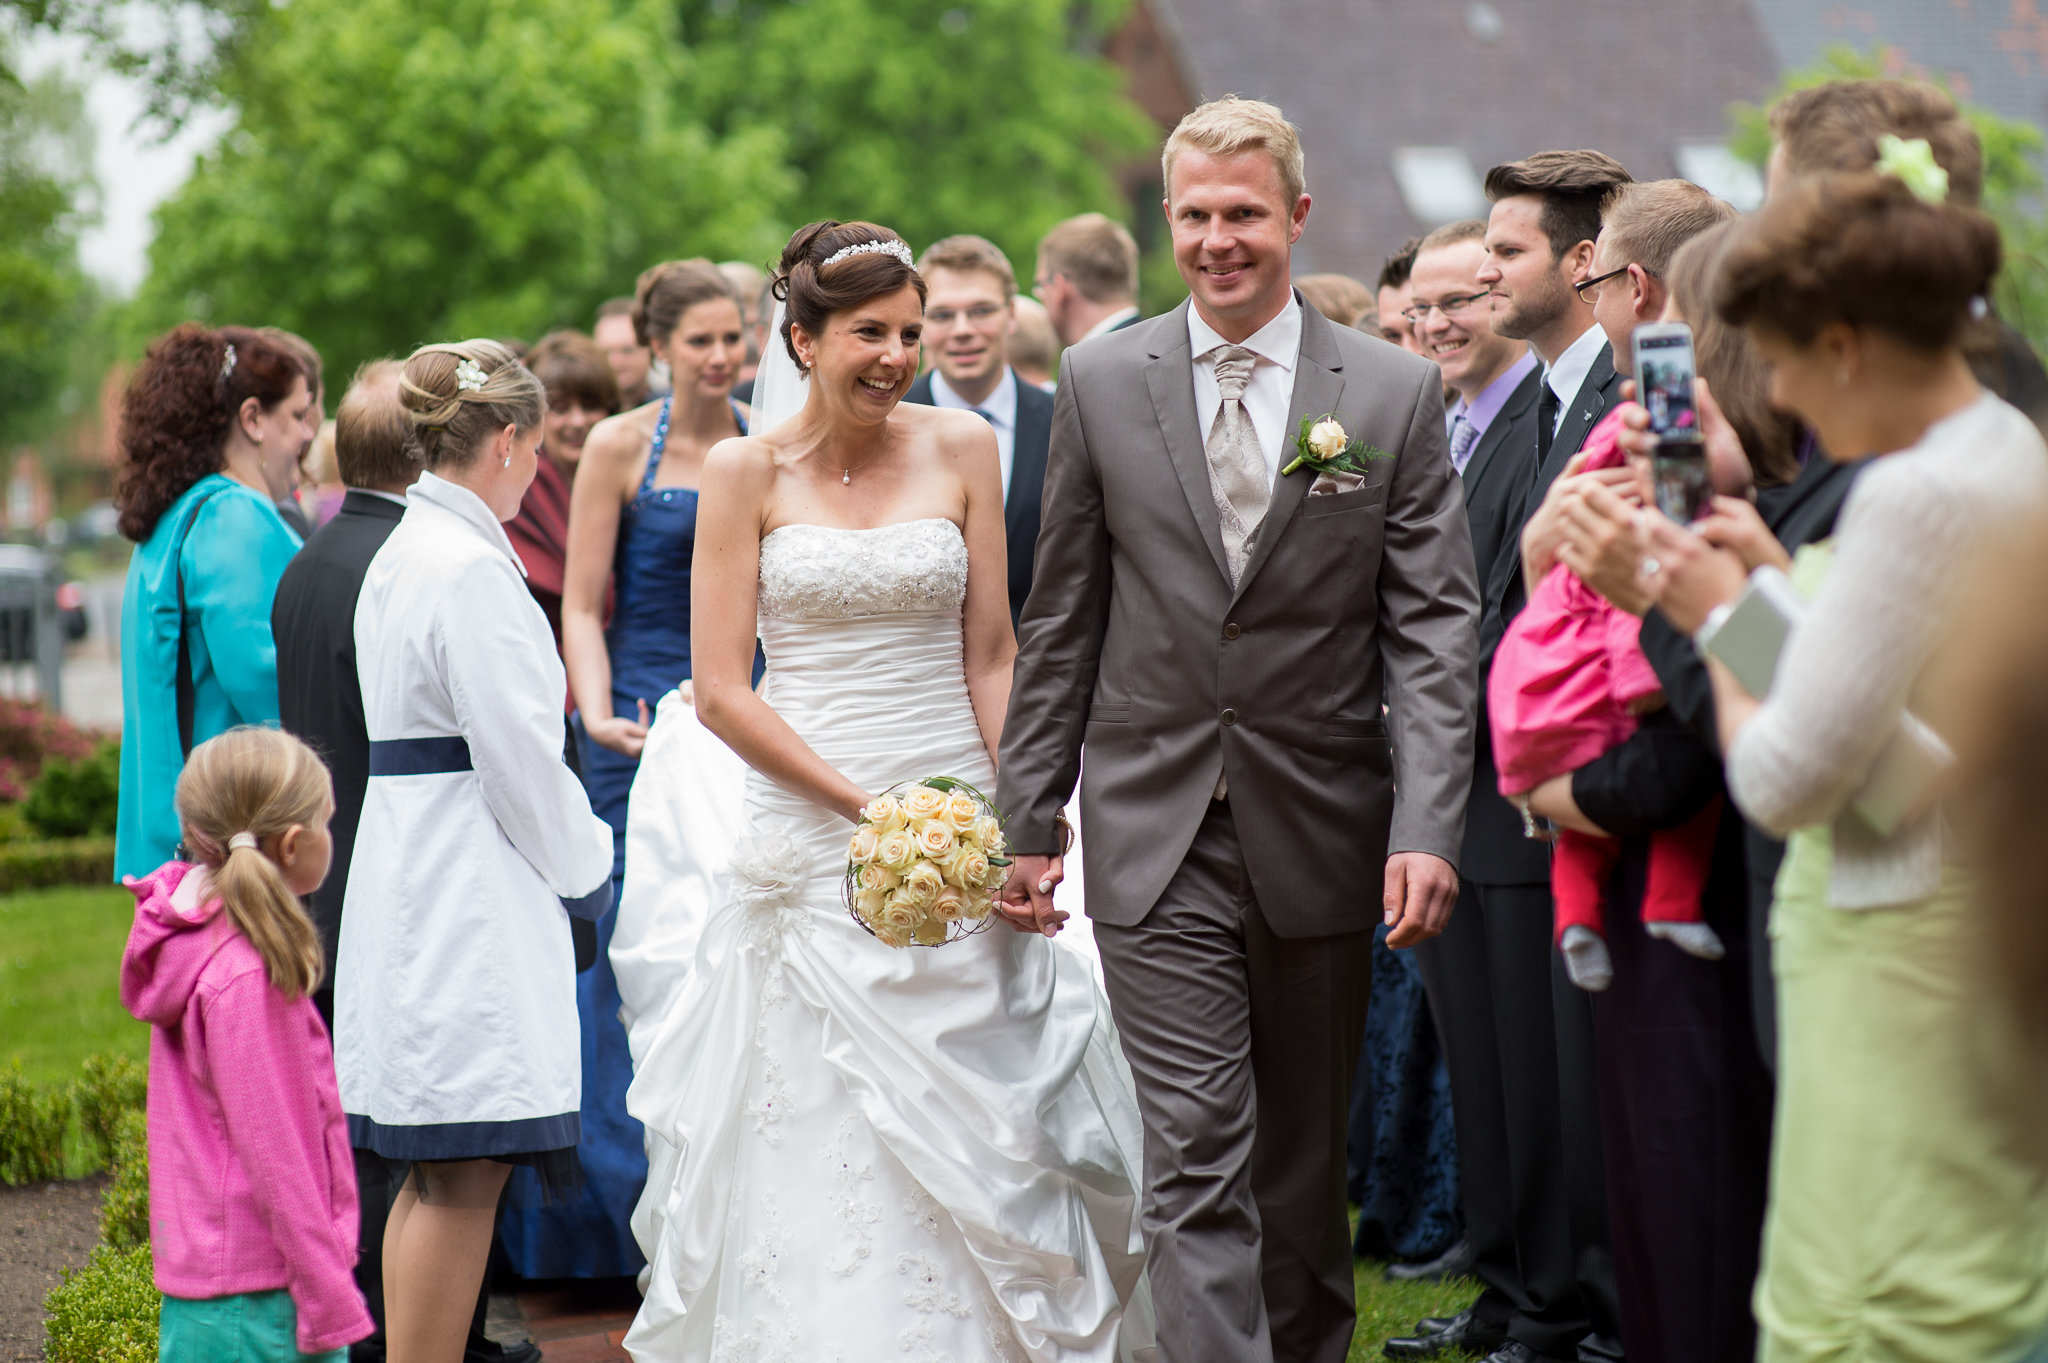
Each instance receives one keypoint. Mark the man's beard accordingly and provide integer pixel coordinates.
(1528, 313)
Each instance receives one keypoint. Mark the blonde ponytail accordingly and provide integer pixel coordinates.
(260, 782)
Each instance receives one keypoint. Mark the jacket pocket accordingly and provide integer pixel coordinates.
(1109, 714)
(1356, 500)
(1355, 728)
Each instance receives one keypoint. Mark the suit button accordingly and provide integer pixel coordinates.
(1230, 716)
(1231, 631)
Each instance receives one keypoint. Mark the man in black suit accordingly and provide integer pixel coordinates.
(970, 314)
(319, 698)
(1087, 277)
(1517, 1034)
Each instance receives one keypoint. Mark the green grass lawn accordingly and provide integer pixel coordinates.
(60, 980)
(60, 964)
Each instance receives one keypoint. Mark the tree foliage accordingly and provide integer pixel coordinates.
(411, 170)
(405, 171)
(2012, 176)
(44, 143)
(997, 117)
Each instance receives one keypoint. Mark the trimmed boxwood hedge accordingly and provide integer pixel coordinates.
(105, 1312)
(55, 861)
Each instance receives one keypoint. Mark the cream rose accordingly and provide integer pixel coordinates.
(862, 848)
(989, 834)
(875, 876)
(868, 904)
(897, 850)
(935, 840)
(896, 924)
(922, 802)
(931, 932)
(977, 908)
(922, 885)
(885, 813)
(950, 905)
(1327, 439)
(970, 869)
(963, 812)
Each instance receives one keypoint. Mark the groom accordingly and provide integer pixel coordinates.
(1223, 638)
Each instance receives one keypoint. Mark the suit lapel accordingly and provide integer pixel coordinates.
(1318, 388)
(1170, 377)
(1499, 429)
(1027, 458)
(1587, 407)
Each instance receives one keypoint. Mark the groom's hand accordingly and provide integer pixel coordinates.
(1027, 895)
(1420, 892)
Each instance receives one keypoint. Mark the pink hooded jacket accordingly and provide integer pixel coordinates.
(252, 1185)
(1567, 668)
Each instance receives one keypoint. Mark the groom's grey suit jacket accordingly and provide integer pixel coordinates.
(1134, 641)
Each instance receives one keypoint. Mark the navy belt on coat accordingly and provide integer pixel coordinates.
(420, 756)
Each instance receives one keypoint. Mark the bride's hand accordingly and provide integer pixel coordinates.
(1026, 901)
(620, 735)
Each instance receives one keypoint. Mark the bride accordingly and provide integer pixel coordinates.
(855, 1152)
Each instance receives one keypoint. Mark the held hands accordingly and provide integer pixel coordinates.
(1026, 900)
(1421, 890)
(621, 735)
(1686, 571)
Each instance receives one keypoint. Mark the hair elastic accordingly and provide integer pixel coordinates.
(244, 839)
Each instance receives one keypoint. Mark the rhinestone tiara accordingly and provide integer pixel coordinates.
(887, 248)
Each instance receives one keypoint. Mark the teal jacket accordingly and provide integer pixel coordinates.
(235, 551)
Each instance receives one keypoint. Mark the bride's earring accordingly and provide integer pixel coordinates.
(508, 461)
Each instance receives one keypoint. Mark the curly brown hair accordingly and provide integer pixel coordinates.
(178, 407)
(810, 296)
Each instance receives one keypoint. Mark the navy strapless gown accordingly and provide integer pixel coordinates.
(649, 643)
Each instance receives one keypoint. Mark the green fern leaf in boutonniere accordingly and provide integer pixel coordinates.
(1323, 447)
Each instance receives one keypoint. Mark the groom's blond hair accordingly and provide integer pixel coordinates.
(1228, 126)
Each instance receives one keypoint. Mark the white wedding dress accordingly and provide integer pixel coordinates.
(860, 1153)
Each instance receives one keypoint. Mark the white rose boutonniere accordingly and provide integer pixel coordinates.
(1323, 446)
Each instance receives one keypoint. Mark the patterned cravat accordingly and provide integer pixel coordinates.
(1237, 466)
(1464, 435)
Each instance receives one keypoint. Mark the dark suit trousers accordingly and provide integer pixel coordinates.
(1518, 1038)
(1216, 1010)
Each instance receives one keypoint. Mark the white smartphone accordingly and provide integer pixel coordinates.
(1664, 371)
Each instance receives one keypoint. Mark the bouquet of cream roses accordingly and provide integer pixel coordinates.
(925, 863)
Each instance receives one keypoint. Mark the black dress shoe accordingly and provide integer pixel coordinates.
(1436, 1336)
(1514, 1351)
(1455, 1262)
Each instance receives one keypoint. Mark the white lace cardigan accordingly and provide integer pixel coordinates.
(1902, 551)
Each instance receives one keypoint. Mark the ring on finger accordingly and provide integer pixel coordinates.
(1650, 567)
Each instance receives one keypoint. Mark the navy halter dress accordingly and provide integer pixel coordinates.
(649, 643)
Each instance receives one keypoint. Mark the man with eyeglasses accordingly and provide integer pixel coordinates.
(1517, 1034)
(970, 314)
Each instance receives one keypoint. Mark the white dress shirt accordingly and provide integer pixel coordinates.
(1270, 392)
(1567, 375)
(398, 497)
(1001, 409)
(1109, 323)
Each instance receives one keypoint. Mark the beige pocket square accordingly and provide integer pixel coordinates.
(1330, 484)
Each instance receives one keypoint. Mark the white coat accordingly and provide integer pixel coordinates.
(456, 1033)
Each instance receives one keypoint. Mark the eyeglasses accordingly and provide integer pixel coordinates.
(1595, 282)
(1449, 307)
(981, 314)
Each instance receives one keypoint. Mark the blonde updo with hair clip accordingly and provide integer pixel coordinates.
(452, 414)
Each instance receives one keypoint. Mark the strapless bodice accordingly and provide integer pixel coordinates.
(823, 572)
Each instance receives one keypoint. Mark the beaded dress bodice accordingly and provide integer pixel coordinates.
(822, 572)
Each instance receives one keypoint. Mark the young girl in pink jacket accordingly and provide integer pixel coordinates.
(252, 1190)
(1568, 682)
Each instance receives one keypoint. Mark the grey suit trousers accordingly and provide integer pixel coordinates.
(1249, 1250)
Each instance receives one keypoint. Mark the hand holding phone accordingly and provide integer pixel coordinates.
(1664, 370)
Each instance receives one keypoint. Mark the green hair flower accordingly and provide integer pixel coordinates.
(1913, 164)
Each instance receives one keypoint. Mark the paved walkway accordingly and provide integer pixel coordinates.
(577, 1320)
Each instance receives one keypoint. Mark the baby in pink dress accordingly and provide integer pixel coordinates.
(1568, 683)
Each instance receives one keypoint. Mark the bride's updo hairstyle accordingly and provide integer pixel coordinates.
(1859, 248)
(461, 393)
(812, 291)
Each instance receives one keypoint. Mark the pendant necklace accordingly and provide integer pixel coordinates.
(846, 474)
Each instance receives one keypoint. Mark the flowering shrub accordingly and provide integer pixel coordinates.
(28, 735)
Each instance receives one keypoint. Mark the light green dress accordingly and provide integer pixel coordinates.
(1904, 1221)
